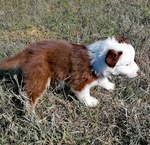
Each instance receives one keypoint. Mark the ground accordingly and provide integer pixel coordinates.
(122, 116)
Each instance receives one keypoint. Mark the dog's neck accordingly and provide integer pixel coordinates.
(97, 52)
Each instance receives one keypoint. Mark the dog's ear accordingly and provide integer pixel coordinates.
(112, 57)
(122, 39)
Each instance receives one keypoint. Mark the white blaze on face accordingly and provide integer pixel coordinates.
(126, 64)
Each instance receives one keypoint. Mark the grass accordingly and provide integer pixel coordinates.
(122, 116)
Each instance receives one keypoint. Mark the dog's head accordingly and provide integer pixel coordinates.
(120, 58)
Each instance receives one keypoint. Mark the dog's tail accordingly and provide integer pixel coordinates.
(12, 62)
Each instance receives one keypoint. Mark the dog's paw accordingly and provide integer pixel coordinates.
(106, 84)
(110, 86)
(91, 101)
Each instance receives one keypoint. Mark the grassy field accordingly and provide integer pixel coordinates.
(122, 116)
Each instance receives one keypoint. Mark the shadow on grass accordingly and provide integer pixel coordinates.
(12, 82)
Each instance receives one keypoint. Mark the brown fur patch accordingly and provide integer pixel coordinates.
(112, 57)
(122, 39)
(57, 60)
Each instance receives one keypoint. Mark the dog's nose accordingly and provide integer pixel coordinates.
(138, 72)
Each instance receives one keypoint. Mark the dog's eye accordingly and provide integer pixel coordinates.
(127, 64)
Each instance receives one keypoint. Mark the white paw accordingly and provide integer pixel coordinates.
(91, 101)
(105, 83)
(110, 86)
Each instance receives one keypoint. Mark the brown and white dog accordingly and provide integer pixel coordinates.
(80, 66)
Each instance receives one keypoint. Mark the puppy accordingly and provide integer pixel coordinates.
(80, 66)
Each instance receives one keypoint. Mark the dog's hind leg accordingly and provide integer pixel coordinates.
(37, 79)
(36, 91)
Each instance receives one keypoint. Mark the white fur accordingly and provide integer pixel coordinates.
(84, 95)
(106, 84)
(126, 64)
(48, 83)
(98, 52)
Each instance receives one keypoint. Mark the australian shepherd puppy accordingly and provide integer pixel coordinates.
(80, 66)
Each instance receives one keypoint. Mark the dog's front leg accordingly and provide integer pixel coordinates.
(85, 98)
(106, 84)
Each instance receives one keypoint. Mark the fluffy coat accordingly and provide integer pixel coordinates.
(80, 66)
